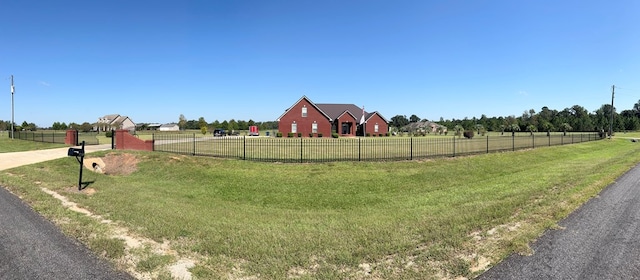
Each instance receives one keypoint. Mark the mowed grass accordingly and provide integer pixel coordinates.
(8, 145)
(355, 149)
(392, 220)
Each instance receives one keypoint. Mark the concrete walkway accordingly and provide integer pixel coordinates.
(11, 160)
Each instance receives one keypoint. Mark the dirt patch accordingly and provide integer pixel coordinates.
(115, 164)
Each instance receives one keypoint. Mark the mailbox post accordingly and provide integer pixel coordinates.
(79, 154)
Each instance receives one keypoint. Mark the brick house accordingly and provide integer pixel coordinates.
(307, 117)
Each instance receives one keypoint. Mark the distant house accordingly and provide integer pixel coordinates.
(307, 118)
(425, 127)
(114, 121)
(169, 127)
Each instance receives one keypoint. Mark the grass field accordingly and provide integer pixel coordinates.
(439, 218)
(355, 149)
(15, 145)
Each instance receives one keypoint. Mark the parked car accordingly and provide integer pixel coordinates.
(219, 132)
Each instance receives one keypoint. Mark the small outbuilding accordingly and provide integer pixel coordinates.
(169, 127)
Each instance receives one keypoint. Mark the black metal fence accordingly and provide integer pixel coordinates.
(56, 137)
(273, 149)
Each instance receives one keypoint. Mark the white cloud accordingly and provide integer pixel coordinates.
(44, 83)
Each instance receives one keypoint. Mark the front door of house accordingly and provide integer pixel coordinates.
(346, 128)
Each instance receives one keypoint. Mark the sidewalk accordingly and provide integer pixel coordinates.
(11, 160)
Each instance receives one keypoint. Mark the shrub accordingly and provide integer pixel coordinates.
(109, 134)
(310, 135)
(388, 134)
(368, 134)
(290, 134)
(380, 135)
(468, 134)
(279, 134)
(334, 135)
(319, 135)
(299, 134)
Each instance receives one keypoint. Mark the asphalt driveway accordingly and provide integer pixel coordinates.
(601, 240)
(31, 247)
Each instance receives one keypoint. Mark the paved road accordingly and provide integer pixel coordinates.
(32, 247)
(601, 240)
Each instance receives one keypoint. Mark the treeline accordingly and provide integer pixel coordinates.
(228, 125)
(575, 118)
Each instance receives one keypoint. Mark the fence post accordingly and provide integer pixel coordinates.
(194, 144)
(113, 139)
(487, 143)
(300, 149)
(77, 138)
(549, 139)
(244, 147)
(454, 146)
(513, 141)
(359, 148)
(411, 148)
(533, 141)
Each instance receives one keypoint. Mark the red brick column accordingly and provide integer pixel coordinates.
(71, 138)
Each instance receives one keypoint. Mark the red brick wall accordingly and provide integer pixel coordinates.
(383, 127)
(126, 141)
(304, 124)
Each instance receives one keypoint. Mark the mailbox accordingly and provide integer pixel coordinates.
(75, 152)
(79, 154)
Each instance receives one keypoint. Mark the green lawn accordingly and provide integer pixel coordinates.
(394, 220)
(8, 145)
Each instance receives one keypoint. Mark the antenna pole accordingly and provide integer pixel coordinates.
(12, 114)
(613, 90)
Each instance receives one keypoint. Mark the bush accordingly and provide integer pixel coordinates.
(334, 135)
(279, 134)
(108, 134)
(388, 134)
(299, 134)
(468, 134)
(290, 134)
(368, 134)
(310, 135)
(319, 135)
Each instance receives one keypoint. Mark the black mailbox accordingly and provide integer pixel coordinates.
(79, 154)
(75, 152)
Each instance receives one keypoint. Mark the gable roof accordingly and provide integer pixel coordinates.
(304, 97)
(336, 110)
(369, 115)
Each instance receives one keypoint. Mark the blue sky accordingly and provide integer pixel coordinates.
(74, 61)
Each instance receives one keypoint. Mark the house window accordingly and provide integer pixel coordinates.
(294, 128)
(304, 111)
(314, 127)
(375, 128)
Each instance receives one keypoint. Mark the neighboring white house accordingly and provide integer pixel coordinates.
(115, 121)
(169, 127)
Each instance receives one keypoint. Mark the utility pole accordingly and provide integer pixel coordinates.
(613, 90)
(12, 114)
